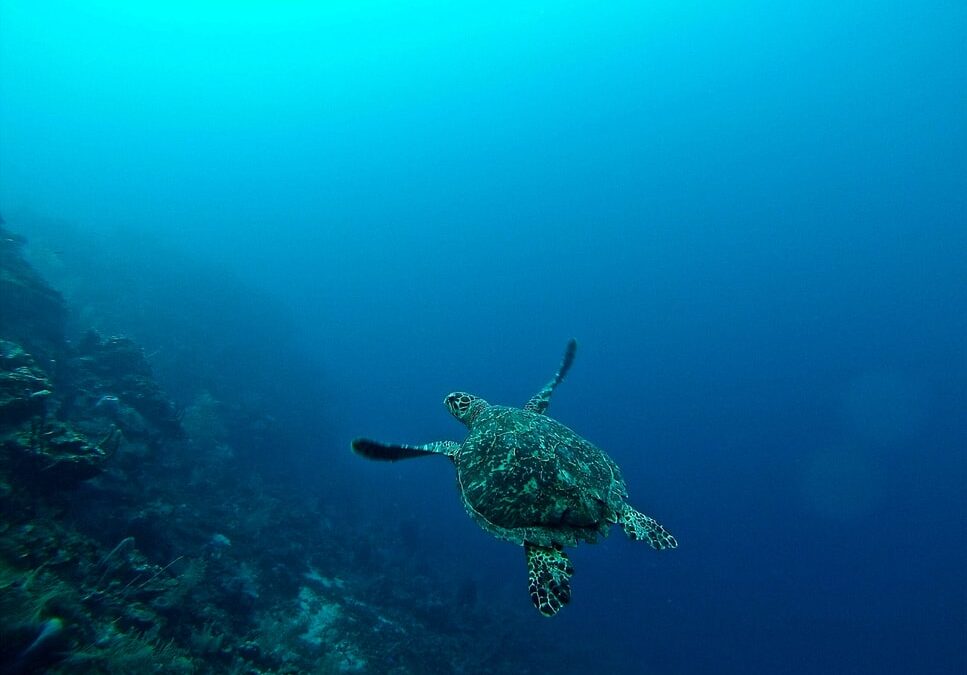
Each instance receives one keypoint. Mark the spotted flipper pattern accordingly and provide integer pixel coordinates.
(542, 399)
(391, 452)
(549, 577)
(640, 527)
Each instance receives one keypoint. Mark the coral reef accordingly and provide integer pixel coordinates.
(133, 541)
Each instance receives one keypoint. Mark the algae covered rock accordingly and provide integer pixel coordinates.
(111, 377)
(24, 388)
(65, 410)
(56, 453)
(35, 445)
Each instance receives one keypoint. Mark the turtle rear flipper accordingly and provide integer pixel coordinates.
(640, 527)
(549, 577)
(542, 399)
(391, 452)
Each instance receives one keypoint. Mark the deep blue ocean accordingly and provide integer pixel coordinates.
(751, 215)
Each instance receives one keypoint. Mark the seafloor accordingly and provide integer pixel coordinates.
(110, 561)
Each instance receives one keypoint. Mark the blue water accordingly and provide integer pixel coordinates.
(751, 215)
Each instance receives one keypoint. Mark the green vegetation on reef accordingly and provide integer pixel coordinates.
(133, 540)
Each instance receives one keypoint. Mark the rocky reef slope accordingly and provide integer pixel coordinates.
(131, 542)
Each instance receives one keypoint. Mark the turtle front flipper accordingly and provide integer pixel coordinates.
(549, 577)
(391, 452)
(542, 399)
(640, 527)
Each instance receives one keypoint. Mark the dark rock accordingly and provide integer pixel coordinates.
(249, 650)
(31, 312)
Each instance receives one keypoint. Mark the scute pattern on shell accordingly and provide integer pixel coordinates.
(526, 477)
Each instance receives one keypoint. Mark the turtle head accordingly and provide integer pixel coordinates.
(465, 407)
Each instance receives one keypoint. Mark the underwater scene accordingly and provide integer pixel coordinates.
(483, 338)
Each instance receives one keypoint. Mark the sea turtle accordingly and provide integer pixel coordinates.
(527, 478)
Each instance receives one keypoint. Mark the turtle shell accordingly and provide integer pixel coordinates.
(526, 477)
